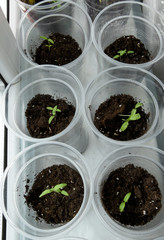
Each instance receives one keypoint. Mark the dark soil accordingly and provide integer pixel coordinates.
(54, 207)
(38, 115)
(130, 43)
(64, 50)
(144, 202)
(108, 121)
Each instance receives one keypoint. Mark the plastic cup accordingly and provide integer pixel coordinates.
(42, 8)
(72, 238)
(74, 22)
(141, 84)
(151, 159)
(94, 7)
(55, 81)
(26, 165)
(144, 22)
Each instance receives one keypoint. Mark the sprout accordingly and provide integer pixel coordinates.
(50, 42)
(123, 203)
(58, 189)
(132, 117)
(121, 53)
(54, 110)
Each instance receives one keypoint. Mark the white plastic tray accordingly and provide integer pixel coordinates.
(91, 227)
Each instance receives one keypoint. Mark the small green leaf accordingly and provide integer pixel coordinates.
(122, 52)
(49, 108)
(59, 186)
(130, 52)
(135, 117)
(64, 193)
(45, 192)
(58, 189)
(127, 196)
(49, 46)
(122, 206)
(43, 37)
(138, 105)
(116, 56)
(124, 126)
(50, 40)
(32, 2)
(133, 112)
(54, 110)
(50, 119)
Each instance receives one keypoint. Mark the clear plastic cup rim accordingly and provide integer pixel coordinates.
(28, 55)
(38, 7)
(74, 121)
(71, 224)
(70, 126)
(62, 227)
(113, 61)
(113, 225)
(88, 42)
(136, 141)
(97, 44)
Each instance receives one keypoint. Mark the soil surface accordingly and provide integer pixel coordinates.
(37, 115)
(64, 50)
(144, 202)
(130, 43)
(108, 120)
(54, 207)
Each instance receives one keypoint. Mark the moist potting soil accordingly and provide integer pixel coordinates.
(108, 118)
(144, 202)
(38, 115)
(55, 207)
(129, 43)
(64, 50)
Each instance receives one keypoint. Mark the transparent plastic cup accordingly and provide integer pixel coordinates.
(55, 81)
(42, 8)
(152, 160)
(26, 165)
(143, 86)
(72, 238)
(142, 22)
(95, 6)
(74, 22)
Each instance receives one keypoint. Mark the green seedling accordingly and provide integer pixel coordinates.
(55, 1)
(123, 203)
(32, 2)
(132, 117)
(58, 189)
(54, 110)
(50, 42)
(121, 53)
